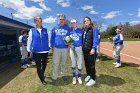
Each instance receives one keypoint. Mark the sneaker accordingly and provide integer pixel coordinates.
(27, 65)
(98, 60)
(91, 82)
(118, 65)
(115, 63)
(79, 80)
(44, 82)
(64, 78)
(87, 78)
(23, 66)
(74, 81)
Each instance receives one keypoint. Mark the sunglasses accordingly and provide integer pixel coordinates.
(61, 19)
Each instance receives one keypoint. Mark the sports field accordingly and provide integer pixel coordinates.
(109, 79)
(130, 53)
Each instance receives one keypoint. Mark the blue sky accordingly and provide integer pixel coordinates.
(105, 12)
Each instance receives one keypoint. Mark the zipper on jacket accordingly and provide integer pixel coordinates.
(41, 40)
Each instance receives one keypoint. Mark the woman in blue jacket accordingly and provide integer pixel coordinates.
(90, 42)
(38, 45)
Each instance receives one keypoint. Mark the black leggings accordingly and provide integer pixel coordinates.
(41, 63)
(90, 64)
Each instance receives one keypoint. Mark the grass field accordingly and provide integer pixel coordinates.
(109, 80)
(125, 39)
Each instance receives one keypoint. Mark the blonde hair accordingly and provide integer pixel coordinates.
(35, 18)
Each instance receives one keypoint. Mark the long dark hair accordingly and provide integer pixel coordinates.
(89, 26)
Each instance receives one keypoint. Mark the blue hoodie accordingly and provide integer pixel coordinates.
(77, 36)
(57, 36)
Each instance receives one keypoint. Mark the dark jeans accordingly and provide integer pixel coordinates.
(90, 64)
(41, 63)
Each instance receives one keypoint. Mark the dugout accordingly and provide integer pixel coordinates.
(9, 32)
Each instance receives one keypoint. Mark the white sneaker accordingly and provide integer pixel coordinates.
(74, 81)
(87, 78)
(27, 65)
(91, 82)
(98, 60)
(115, 63)
(79, 80)
(118, 65)
(23, 66)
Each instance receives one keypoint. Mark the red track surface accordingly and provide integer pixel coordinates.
(130, 53)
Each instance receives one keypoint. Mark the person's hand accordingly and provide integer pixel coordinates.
(52, 50)
(92, 51)
(71, 46)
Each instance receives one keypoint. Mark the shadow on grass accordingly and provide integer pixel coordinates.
(9, 73)
(105, 58)
(109, 80)
(129, 65)
(60, 81)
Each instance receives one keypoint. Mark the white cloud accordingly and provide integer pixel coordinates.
(130, 14)
(50, 19)
(111, 14)
(134, 22)
(58, 14)
(15, 5)
(37, 0)
(138, 15)
(21, 10)
(27, 13)
(93, 12)
(87, 7)
(64, 3)
(104, 27)
(44, 6)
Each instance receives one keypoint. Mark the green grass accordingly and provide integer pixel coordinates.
(109, 80)
(125, 39)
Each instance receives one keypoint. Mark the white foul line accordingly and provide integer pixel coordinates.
(122, 54)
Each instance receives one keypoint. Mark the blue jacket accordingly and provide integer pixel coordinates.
(39, 42)
(77, 36)
(118, 39)
(24, 40)
(57, 36)
(95, 35)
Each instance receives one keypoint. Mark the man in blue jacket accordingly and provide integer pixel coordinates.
(59, 48)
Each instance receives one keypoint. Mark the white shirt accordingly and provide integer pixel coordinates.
(20, 39)
(30, 41)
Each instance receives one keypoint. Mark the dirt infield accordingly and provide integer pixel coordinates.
(130, 53)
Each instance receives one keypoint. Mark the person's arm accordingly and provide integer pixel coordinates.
(20, 41)
(95, 41)
(68, 33)
(96, 38)
(29, 41)
(52, 38)
(49, 35)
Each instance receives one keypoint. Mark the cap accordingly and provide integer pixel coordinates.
(118, 30)
(73, 21)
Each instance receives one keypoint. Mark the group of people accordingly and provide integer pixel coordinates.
(86, 43)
